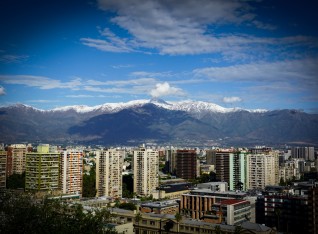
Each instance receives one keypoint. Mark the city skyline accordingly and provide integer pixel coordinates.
(248, 54)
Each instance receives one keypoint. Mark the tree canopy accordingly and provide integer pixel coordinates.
(21, 213)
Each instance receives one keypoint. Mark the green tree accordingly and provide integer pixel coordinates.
(16, 181)
(22, 213)
(178, 218)
(138, 218)
(89, 183)
(127, 206)
(128, 186)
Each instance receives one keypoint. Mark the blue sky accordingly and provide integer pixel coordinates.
(249, 54)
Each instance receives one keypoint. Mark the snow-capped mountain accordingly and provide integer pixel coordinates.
(194, 107)
(157, 121)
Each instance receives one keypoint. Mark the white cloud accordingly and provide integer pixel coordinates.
(13, 58)
(164, 89)
(120, 66)
(41, 82)
(182, 27)
(42, 101)
(2, 91)
(151, 74)
(104, 45)
(301, 71)
(121, 83)
(80, 96)
(231, 99)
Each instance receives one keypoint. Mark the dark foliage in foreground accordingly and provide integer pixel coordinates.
(21, 213)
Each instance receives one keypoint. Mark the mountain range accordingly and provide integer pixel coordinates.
(156, 121)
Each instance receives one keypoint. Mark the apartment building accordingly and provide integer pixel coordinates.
(263, 169)
(3, 169)
(16, 158)
(231, 167)
(146, 169)
(109, 167)
(42, 169)
(171, 158)
(285, 212)
(307, 153)
(186, 164)
(71, 172)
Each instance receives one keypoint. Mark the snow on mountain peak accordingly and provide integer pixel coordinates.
(194, 107)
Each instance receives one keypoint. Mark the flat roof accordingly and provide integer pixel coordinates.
(232, 201)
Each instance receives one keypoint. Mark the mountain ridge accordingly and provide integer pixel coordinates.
(153, 121)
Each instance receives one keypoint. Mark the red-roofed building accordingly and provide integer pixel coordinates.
(229, 211)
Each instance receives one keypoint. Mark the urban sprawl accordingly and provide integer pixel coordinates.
(152, 189)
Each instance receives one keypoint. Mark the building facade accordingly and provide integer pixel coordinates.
(288, 213)
(306, 153)
(186, 164)
(109, 167)
(3, 169)
(16, 159)
(231, 167)
(230, 212)
(263, 169)
(71, 172)
(146, 169)
(42, 170)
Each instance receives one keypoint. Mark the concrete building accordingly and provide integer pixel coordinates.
(186, 164)
(210, 157)
(231, 168)
(288, 171)
(71, 172)
(288, 212)
(109, 167)
(306, 153)
(171, 191)
(166, 223)
(160, 207)
(214, 186)
(42, 170)
(230, 212)
(199, 202)
(3, 169)
(263, 169)
(16, 159)
(171, 159)
(146, 169)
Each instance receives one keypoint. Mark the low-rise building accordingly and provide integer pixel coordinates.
(161, 207)
(171, 191)
(229, 211)
(199, 202)
(163, 223)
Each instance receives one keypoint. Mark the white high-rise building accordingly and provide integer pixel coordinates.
(146, 169)
(109, 167)
(263, 169)
(71, 179)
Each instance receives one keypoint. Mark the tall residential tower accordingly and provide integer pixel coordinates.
(146, 169)
(109, 166)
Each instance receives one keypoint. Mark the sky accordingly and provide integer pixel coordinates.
(248, 54)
